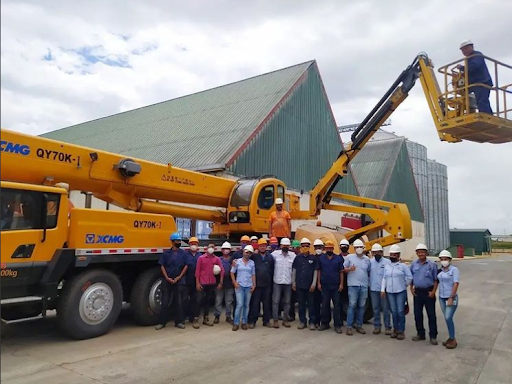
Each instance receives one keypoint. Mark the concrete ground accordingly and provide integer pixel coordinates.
(36, 353)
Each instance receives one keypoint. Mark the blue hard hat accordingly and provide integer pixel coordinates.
(175, 236)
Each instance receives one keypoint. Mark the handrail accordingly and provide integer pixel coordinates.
(459, 96)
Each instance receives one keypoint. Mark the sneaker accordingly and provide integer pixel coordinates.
(433, 341)
(301, 326)
(160, 326)
(312, 327)
(451, 344)
(195, 324)
(276, 324)
(360, 330)
(180, 326)
(394, 334)
(317, 325)
(400, 336)
(349, 332)
(286, 324)
(206, 321)
(323, 327)
(251, 326)
(338, 330)
(235, 328)
(216, 320)
(418, 338)
(376, 331)
(244, 327)
(388, 332)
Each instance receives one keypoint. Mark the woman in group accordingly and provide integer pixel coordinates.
(244, 283)
(397, 276)
(448, 278)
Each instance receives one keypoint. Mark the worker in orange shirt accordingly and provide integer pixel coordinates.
(280, 222)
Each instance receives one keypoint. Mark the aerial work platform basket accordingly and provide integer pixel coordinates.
(459, 118)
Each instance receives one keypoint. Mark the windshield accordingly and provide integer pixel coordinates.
(242, 194)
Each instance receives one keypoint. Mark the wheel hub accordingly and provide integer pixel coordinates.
(155, 296)
(96, 303)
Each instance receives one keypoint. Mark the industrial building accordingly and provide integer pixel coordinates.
(472, 241)
(266, 125)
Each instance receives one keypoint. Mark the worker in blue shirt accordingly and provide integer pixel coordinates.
(318, 245)
(448, 298)
(397, 276)
(191, 303)
(330, 283)
(304, 276)
(174, 265)
(477, 74)
(423, 288)
(379, 304)
(357, 266)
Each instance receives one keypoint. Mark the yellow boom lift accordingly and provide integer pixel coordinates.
(86, 262)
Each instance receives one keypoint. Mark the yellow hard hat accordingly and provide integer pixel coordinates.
(328, 244)
(262, 241)
(193, 240)
(245, 238)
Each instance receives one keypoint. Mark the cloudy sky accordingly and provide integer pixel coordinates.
(64, 63)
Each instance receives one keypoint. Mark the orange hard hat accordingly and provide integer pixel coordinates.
(245, 238)
(329, 244)
(193, 240)
(262, 241)
(273, 240)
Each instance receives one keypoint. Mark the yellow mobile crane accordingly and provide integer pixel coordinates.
(85, 262)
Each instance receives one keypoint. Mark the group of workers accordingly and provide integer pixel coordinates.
(263, 276)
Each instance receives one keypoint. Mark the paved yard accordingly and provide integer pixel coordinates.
(36, 353)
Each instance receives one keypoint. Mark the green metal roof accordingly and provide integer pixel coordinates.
(201, 131)
(382, 170)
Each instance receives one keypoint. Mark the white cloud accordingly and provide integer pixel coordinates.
(170, 48)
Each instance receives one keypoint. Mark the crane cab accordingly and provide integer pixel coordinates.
(250, 205)
(455, 109)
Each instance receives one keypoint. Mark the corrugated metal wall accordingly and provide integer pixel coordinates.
(475, 239)
(438, 229)
(299, 143)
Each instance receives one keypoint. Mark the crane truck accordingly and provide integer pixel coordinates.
(85, 263)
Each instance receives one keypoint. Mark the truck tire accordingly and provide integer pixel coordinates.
(146, 297)
(90, 304)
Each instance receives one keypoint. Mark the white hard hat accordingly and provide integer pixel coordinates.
(376, 247)
(305, 240)
(344, 242)
(285, 241)
(318, 242)
(465, 43)
(254, 238)
(226, 245)
(249, 248)
(216, 269)
(421, 246)
(358, 243)
(63, 185)
(445, 253)
(279, 201)
(394, 249)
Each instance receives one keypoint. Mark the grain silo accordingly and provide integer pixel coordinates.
(438, 227)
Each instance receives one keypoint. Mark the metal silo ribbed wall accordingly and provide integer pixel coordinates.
(438, 232)
(418, 157)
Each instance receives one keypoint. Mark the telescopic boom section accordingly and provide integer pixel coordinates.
(113, 178)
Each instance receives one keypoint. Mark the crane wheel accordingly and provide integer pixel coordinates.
(90, 304)
(146, 297)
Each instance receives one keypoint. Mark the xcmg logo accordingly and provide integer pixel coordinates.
(10, 147)
(92, 238)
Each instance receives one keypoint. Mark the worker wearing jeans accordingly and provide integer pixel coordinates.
(357, 266)
(225, 290)
(206, 283)
(448, 298)
(244, 283)
(379, 304)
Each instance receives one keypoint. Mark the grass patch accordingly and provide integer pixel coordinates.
(501, 245)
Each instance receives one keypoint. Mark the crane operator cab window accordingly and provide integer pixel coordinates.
(266, 197)
(24, 210)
